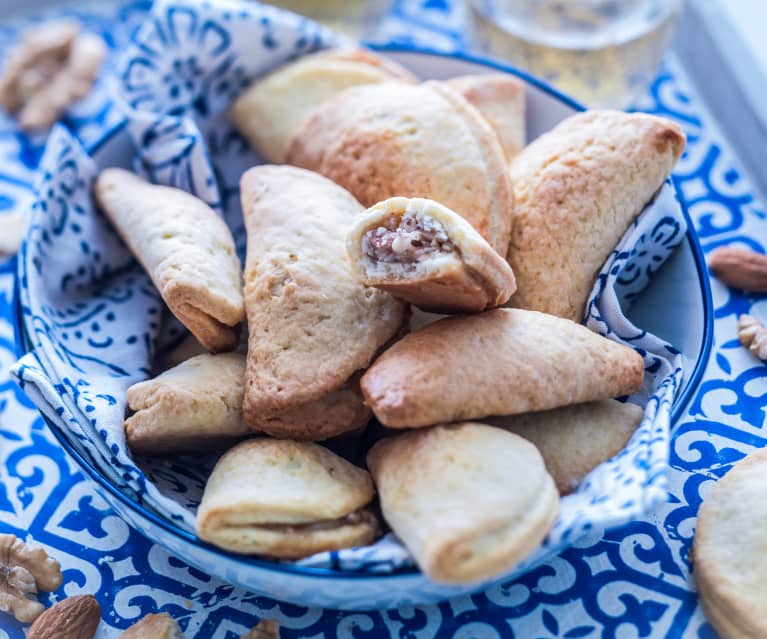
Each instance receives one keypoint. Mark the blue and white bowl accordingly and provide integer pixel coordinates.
(84, 408)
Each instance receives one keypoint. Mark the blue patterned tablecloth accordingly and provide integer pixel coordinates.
(633, 582)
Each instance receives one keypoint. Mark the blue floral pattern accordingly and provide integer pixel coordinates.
(634, 579)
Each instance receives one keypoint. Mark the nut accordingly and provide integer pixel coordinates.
(12, 228)
(72, 618)
(753, 335)
(740, 268)
(51, 68)
(161, 626)
(24, 571)
(266, 629)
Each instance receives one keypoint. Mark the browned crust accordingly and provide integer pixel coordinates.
(501, 362)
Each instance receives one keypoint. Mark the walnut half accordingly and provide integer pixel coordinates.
(53, 66)
(23, 572)
(753, 335)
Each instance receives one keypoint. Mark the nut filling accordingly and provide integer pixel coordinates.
(352, 519)
(410, 238)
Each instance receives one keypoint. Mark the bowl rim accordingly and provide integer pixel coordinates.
(23, 346)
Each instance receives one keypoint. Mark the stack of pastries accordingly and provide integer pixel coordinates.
(387, 199)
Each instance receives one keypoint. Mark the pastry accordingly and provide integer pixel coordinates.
(424, 253)
(395, 139)
(312, 325)
(340, 411)
(286, 499)
(577, 188)
(161, 626)
(500, 98)
(185, 247)
(729, 559)
(500, 362)
(576, 439)
(271, 109)
(195, 406)
(468, 500)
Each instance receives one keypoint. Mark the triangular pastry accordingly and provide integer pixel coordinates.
(286, 499)
(424, 253)
(394, 139)
(500, 362)
(185, 247)
(468, 500)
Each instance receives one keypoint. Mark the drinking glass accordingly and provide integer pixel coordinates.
(602, 52)
(359, 19)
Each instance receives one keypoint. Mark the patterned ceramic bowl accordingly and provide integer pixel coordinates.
(679, 288)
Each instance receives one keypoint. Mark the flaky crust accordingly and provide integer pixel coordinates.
(312, 325)
(185, 247)
(728, 550)
(574, 440)
(271, 109)
(500, 98)
(384, 140)
(195, 406)
(264, 492)
(501, 362)
(468, 500)
(577, 188)
(470, 279)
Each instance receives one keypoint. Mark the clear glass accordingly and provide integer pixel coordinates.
(602, 52)
(359, 19)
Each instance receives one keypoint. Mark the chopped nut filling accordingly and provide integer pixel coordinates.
(410, 238)
(356, 517)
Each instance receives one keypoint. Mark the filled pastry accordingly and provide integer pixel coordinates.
(271, 109)
(576, 439)
(424, 253)
(185, 247)
(468, 500)
(577, 189)
(312, 324)
(500, 98)
(500, 362)
(286, 499)
(195, 406)
(394, 139)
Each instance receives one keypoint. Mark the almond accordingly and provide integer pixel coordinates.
(740, 268)
(73, 618)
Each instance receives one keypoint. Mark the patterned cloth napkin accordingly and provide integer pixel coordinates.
(94, 320)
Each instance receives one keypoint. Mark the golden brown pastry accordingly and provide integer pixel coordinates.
(500, 98)
(577, 188)
(271, 109)
(185, 247)
(195, 406)
(395, 139)
(312, 325)
(286, 499)
(468, 500)
(501, 362)
(576, 439)
(424, 253)
(161, 626)
(728, 552)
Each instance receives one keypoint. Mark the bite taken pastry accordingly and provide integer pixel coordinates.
(468, 500)
(271, 109)
(424, 253)
(312, 324)
(574, 440)
(500, 98)
(185, 247)
(577, 189)
(500, 362)
(395, 139)
(286, 499)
